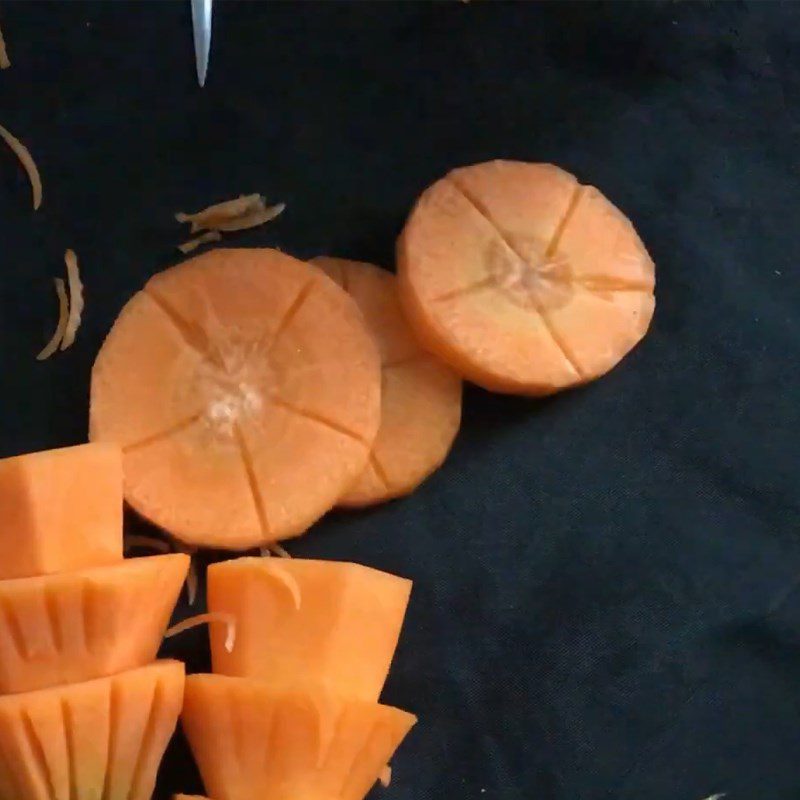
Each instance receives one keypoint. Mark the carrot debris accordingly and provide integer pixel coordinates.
(75, 299)
(63, 314)
(207, 619)
(386, 776)
(210, 217)
(253, 219)
(28, 164)
(203, 238)
(274, 549)
(191, 582)
(149, 542)
(5, 61)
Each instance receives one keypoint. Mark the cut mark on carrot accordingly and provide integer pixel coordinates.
(28, 164)
(51, 613)
(404, 360)
(113, 725)
(5, 61)
(37, 751)
(252, 480)
(193, 336)
(572, 207)
(12, 623)
(146, 542)
(178, 427)
(379, 470)
(484, 283)
(156, 704)
(560, 343)
(63, 316)
(320, 419)
(207, 619)
(602, 283)
(69, 736)
(291, 313)
(75, 299)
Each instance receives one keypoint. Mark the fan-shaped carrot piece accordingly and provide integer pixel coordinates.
(61, 510)
(76, 626)
(303, 623)
(522, 279)
(421, 398)
(100, 739)
(244, 390)
(252, 742)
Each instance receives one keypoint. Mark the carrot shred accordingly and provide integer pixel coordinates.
(63, 314)
(28, 164)
(5, 61)
(386, 776)
(288, 582)
(274, 549)
(203, 238)
(75, 299)
(206, 619)
(149, 542)
(191, 582)
(219, 212)
(251, 220)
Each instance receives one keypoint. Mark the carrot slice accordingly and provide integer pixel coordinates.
(28, 164)
(318, 746)
(245, 392)
(62, 510)
(101, 738)
(308, 623)
(421, 398)
(522, 279)
(75, 626)
(61, 325)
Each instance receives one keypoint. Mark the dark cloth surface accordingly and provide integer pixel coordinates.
(605, 603)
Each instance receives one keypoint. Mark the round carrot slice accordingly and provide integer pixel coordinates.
(244, 390)
(522, 279)
(421, 398)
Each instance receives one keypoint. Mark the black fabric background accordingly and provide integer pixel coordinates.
(605, 601)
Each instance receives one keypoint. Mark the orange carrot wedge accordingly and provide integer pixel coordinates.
(522, 279)
(421, 398)
(244, 390)
(254, 743)
(72, 627)
(60, 510)
(308, 623)
(100, 739)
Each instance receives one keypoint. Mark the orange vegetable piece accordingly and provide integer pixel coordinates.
(244, 390)
(252, 742)
(421, 398)
(522, 279)
(100, 739)
(76, 626)
(303, 623)
(61, 510)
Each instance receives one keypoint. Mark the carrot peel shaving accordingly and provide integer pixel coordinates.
(75, 299)
(63, 314)
(28, 164)
(207, 619)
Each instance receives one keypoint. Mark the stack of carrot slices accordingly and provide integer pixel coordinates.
(314, 643)
(252, 392)
(85, 711)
